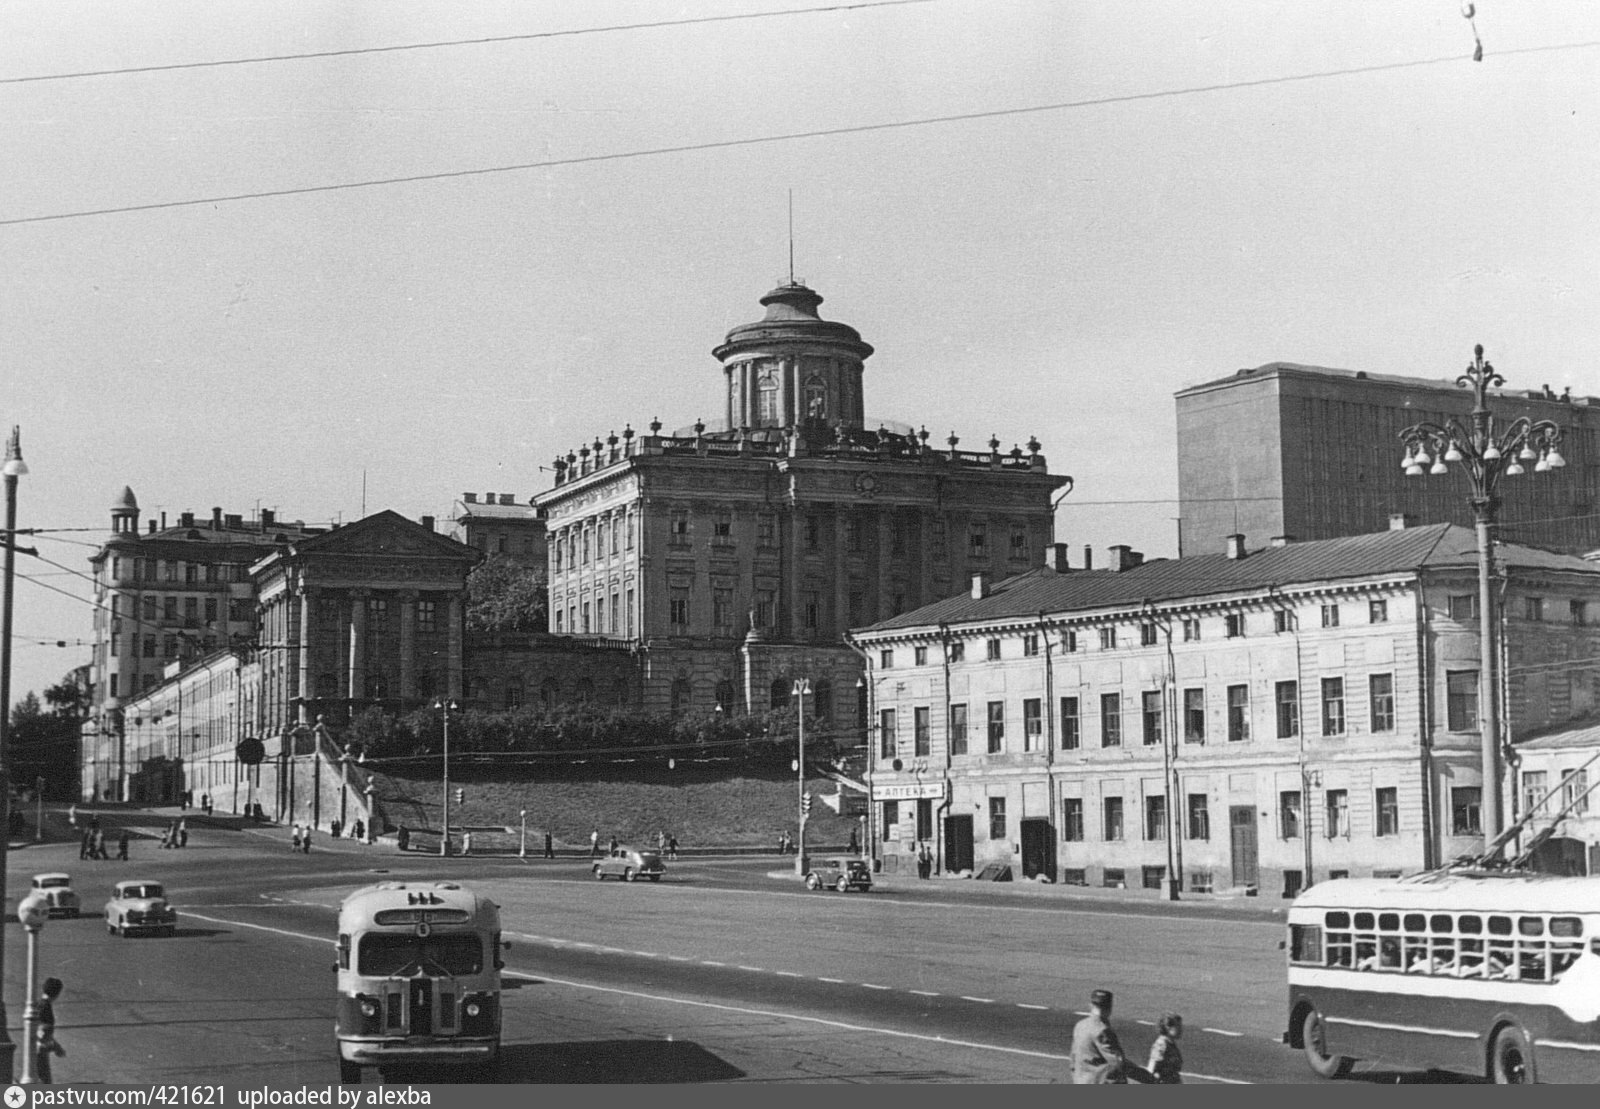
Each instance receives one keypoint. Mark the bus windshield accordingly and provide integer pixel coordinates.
(385, 955)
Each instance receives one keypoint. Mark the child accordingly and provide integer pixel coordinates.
(1166, 1061)
(47, 1045)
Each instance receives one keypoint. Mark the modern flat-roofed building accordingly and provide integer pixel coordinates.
(1313, 453)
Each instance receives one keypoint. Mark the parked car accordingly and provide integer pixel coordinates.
(57, 891)
(630, 864)
(140, 906)
(840, 874)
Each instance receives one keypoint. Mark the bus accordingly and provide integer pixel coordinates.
(418, 977)
(1488, 972)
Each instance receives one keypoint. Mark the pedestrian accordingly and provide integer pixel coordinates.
(305, 841)
(613, 844)
(855, 844)
(924, 863)
(672, 847)
(360, 830)
(205, 803)
(549, 845)
(122, 846)
(98, 849)
(294, 839)
(72, 814)
(1166, 1061)
(183, 800)
(402, 839)
(334, 828)
(1097, 1056)
(466, 843)
(166, 837)
(783, 843)
(661, 840)
(183, 832)
(594, 844)
(46, 1023)
(84, 842)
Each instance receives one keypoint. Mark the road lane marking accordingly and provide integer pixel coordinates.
(980, 1000)
(1152, 1024)
(835, 981)
(1046, 1009)
(875, 986)
(757, 970)
(648, 954)
(711, 963)
(923, 993)
(787, 974)
(681, 958)
(1221, 1032)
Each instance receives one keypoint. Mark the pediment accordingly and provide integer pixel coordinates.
(386, 534)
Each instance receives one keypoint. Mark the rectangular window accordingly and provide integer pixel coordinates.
(1466, 811)
(1461, 700)
(958, 650)
(678, 609)
(1111, 720)
(1238, 713)
(886, 736)
(1070, 738)
(147, 607)
(1194, 716)
(629, 537)
(1533, 791)
(1147, 634)
(1463, 606)
(1330, 616)
(1108, 638)
(169, 608)
(1381, 690)
(680, 526)
(920, 732)
(1338, 812)
(1533, 608)
(722, 609)
(1151, 699)
(1282, 620)
(766, 609)
(1235, 622)
(630, 614)
(191, 611)
(169, 646)
(813, 533)
(1072, 819)
(600, 615)
(977, 541)
(1377, 612)
(1388, 806)
(1155, 818)
(997, 727)
(1191, 629)
(993, 651)
(1030, 644)
(1333, 706)
(810, 604)
(766, 529)
(585, 610)
(919, 656)
(1574, 786)
(1069, 642)
(1112, 819)
(886, 659)
(1199, 816)
(1289, 814)
(1287, 695)
(958, 729)
(1579, 612)
(211, 610)
(1032, 725)
(997, 818)
(115, 640)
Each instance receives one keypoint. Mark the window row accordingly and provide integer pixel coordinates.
(175, 570)
(591, 541)
(1196, 816)
(1524, 948)
(597, 616)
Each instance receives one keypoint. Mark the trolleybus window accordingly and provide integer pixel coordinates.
(382, 955)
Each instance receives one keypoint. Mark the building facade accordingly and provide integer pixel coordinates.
(498, 525)
(733, 558)
(1239, 720)
(1312, 453)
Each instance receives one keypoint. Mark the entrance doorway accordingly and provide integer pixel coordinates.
(1038, 848)
(958, 843)
(1242, 834)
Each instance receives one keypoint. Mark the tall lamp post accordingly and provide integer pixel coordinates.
(801, 688)
(1485, 454)
(446, 707)
(32, 912)
(522, 847)
(14, 468)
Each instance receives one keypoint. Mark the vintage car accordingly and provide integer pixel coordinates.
(56, 889)
(630, 864)
(840, 874)
(140, 906)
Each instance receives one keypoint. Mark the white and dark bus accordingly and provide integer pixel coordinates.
(1487, 972)
(419, 977)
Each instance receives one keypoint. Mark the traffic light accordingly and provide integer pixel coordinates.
(461, 795)
(805, 805)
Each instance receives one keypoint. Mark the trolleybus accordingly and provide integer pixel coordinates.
(419, 977)
(1493, 973)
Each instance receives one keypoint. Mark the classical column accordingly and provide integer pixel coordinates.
(453, 661)
(791, 559)
(408, 643)
(358, 644)
(841, 574)
(885, 587)
(304, 648)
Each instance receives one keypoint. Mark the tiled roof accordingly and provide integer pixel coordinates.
(1360, 556)
(495, 511)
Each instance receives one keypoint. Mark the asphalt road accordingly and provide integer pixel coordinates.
(721, 972)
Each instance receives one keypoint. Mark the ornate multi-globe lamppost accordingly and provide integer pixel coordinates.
(1484, 454)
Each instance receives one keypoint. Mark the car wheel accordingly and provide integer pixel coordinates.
(842, 885)
(597, 875)
(349, 1073)
(627, 874)
(1511, 1058)
(1313, 1034)
(813, 882)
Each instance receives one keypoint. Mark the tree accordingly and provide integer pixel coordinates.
(44, 744)
(505, 596)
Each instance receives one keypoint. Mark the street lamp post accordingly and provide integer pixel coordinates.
(371, 836)
(32, 912)
(801, 688)
(447, 707)
(1484, 455)
(522, 849)
(1311, 780)
(14, 468)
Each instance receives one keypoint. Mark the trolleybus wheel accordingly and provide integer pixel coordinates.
(1511, 1058)
(1314, 1036)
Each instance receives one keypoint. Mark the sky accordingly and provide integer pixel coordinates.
(1048, 216)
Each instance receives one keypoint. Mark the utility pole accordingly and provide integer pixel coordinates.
(14, 468)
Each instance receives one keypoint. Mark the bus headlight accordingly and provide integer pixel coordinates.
(473, 1009)
(369, 1008)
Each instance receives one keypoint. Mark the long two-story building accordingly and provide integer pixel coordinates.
(1247, 719)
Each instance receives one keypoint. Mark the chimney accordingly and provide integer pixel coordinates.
(186, 519)
(488, 498)
(233, 521)
(1282, 540)
(152, 526)
(980, 586)
(1124, 557)
(268, 518)
(508, 498)
(470, 498)
(1399, 521)
(1088, 557)
(163, 521)
(1058, 558)
(427, 522)
(1235, 546)
(216, 518)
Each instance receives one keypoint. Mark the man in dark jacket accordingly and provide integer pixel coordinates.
(1097, 1056)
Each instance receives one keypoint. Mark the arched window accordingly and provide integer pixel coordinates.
(549, 693)
(725, 695)
(768, 407)
(681, 695)
(780, 693)
(514, 693)
(816, 399)
(822, 699)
